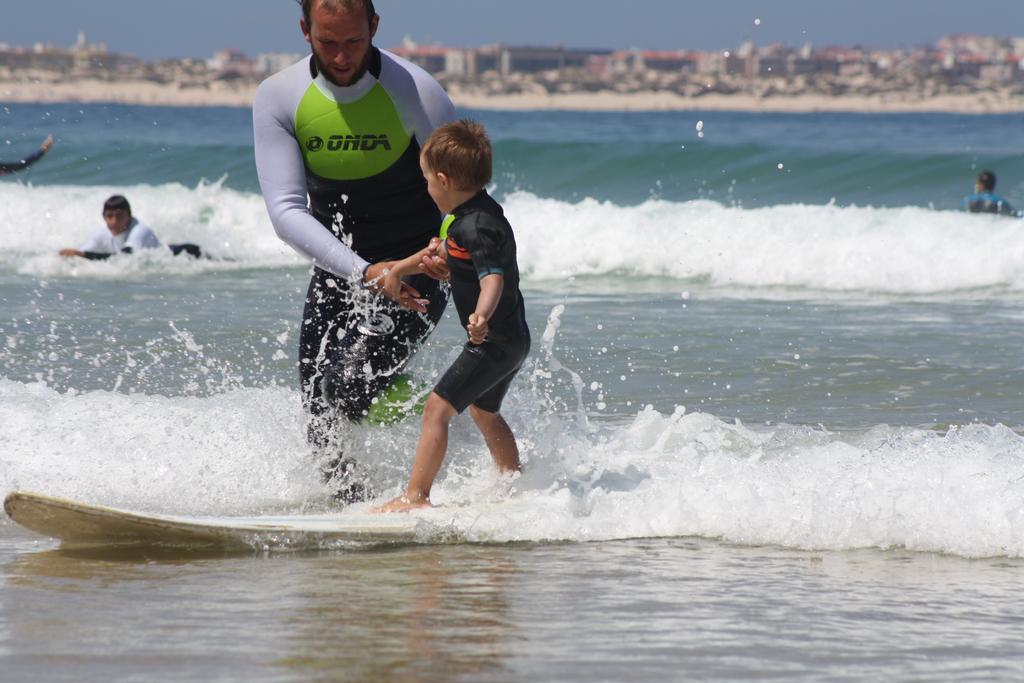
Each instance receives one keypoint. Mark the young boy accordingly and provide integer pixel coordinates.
(481, 255)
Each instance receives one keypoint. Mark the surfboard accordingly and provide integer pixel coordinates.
(83, 524)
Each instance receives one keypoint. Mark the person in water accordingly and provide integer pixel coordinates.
(124, 234)
(337, 137)
(7, 167)
(984, 199)
(481, 252)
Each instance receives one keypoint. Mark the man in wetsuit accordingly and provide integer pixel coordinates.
(344, 128)
(7, 167)
(984, 199)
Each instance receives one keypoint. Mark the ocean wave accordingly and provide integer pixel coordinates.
(656, 475)
(804, 250)
(904, 251)
(694, 475)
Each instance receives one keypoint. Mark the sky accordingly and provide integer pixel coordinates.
(154, 29)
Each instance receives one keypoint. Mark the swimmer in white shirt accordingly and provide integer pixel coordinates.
(124, 234)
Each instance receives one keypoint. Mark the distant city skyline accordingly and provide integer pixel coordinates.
(197, 28)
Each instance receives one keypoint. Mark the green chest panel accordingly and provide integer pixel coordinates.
(349, 141)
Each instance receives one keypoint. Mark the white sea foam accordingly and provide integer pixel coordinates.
(694, 475)
(234, 451)
(683, 474)
(828, 249)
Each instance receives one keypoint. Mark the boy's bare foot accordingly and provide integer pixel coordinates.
(402, 504)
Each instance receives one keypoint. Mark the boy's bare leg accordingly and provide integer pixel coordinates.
(433, 443)
(499, 438)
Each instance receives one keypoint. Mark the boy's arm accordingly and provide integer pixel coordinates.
(435, 263)
(491, 287)
(392, 272)
(408, 265)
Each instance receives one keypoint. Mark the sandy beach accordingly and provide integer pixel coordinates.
(226, 94)
(92, 91)
(994, 103)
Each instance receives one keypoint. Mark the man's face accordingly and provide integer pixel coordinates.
(117, 220)
(340, 40)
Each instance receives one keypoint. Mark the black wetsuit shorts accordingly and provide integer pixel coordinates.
(482, 373)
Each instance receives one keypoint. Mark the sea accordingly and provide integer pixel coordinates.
(771, 423)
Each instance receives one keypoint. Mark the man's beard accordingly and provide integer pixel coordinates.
(355, 77)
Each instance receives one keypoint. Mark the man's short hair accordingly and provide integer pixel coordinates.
(987, 180)
(307, 7)
(117, 203)
(462, 151)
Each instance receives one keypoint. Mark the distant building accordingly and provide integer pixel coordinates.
(737, 65)
(847, 62)
(532, 60)
(483, 59)
(964, 66)
(993, 48)
(1007, 71)
(742, 62)
(503, 60)
(773, 60)
(230, 64)
(710, 63)
(272, 62)
(664, 61)
(49, 59)
(960, 60)
(597, 65)
(815, 64)
(772, 66)
(432, 59)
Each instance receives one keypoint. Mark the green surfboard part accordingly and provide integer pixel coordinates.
(399, 401)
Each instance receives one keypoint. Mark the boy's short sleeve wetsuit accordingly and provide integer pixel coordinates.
(480, 243)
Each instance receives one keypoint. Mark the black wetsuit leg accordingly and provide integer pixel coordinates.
(353, 345)
(192, 250)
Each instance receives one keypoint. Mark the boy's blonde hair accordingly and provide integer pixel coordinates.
(462, 151)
